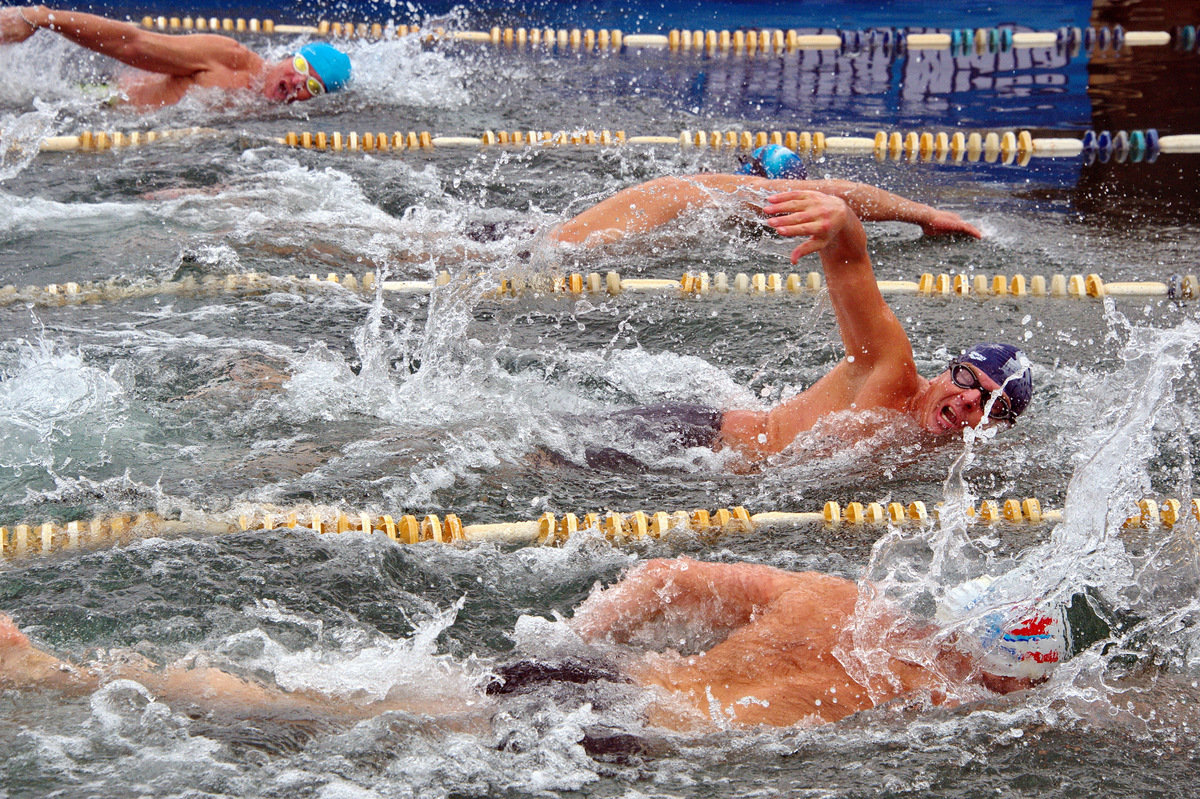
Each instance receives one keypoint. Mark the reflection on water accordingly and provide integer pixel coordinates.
(460, 402)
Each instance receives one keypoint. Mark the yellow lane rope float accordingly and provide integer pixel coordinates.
(22, 540)
(692, 284)
(745, 42)
(1008, 146)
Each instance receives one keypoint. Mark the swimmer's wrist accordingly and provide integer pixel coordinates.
(21, 13)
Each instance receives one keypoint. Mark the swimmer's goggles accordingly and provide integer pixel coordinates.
(752, 165)
(312, 82)
(965, 376)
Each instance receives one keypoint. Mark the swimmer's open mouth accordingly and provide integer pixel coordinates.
(949, 416)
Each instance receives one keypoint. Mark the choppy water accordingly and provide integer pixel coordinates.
(439, 403)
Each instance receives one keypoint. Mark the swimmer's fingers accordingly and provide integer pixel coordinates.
(799, 224)
(790, 202)
(946, 223)
(796, 213)
(817, 229)
(800, 213)
(808, 248)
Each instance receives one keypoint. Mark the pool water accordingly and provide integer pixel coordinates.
(456, 401)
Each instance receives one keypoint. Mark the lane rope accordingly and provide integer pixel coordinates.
(576, 284)
(24, 540)
(885, 40)
(1007, 146)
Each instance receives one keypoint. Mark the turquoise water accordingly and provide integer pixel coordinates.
(192, 404)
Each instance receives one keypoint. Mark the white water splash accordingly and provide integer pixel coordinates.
(1090, 548)
(55, 408)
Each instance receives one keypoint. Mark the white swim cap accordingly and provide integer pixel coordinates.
(1017, 640)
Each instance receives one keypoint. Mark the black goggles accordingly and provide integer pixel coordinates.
(965, 376)
(752, 165)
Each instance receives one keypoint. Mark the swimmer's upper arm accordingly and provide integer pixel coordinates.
(719, 594)
(186, 55)
(636, 209)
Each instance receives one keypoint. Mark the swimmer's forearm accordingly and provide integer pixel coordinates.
(103, 35)
(748, 432)
(34, 668)
(124, 41)
(872, 204)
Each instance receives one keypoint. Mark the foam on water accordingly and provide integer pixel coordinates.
(57, 411)
(348, 666)
(1089, 550)
(35, 213)
(403, 72)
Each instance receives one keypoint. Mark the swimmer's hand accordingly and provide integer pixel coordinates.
(814, 214)
(14, 27)
(946, 223)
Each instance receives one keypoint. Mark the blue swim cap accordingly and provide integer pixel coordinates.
(1002, 362)
(773, 161)
(331, 64)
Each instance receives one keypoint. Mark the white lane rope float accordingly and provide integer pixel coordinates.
(24, 540)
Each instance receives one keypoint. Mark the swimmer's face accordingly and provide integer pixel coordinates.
(283, 83)
(948, 407)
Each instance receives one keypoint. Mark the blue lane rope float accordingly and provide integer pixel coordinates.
(748, 42)
(1184, 38)
(692, 284)
(24, 540)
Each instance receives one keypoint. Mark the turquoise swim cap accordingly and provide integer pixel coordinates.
(331, 64)
(773, 161)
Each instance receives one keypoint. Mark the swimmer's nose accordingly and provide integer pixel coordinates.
(970, 398)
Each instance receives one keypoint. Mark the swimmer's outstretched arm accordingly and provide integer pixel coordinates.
(657, 202)
(720, 595)
(154, 52)
(24, 666)
(869, 203)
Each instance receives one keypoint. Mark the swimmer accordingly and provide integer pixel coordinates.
(181, 63)
(989, 383)
(778, 658)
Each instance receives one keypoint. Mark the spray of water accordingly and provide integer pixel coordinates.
(1091, 550)
(58, 412)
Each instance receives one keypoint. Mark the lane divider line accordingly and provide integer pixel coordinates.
(889, 41)
(692, 284)
(24, 540)
(1007, 146)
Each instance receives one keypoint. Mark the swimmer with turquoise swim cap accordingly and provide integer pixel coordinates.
(170, 66)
